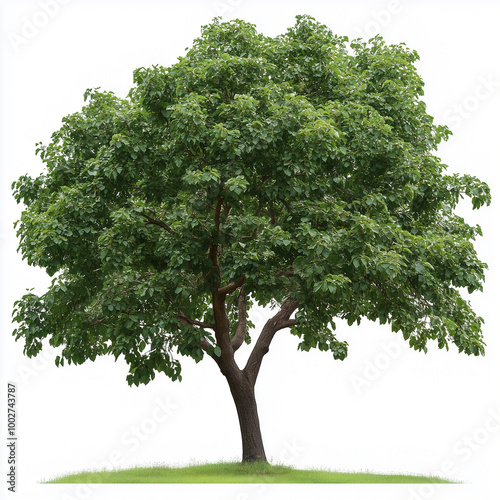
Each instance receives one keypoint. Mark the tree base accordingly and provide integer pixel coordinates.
(252, 460)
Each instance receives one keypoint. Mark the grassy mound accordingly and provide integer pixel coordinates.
(228, 472)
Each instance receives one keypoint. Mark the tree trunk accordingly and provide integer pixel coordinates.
(243, 394)
(242, 382)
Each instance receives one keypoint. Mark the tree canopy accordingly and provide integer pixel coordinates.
(296, 171)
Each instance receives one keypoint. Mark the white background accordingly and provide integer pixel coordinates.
(386, 408)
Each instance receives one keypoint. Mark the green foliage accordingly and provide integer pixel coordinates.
(306, 160)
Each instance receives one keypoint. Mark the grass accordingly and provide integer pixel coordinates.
(229, 472)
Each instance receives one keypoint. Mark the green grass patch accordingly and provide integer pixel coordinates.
(231, 472)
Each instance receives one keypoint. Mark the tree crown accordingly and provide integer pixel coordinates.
(299, 167)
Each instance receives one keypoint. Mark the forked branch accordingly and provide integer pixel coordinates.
(277, 322)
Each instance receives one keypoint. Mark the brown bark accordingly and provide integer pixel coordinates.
(243, 394)
(277, 322)
(241, 382)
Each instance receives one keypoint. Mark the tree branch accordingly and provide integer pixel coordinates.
(220, 315)
(231, 287)
(221, 325)
(277, 322)
(214, 247)
(241, 327)
(206, 346)
(287, 323)
(186, 320)
(158, 223)
(264, 179)
(217, 212)
(214, 257)
(204, 343)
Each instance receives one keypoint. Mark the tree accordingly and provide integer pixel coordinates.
(295, 172)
